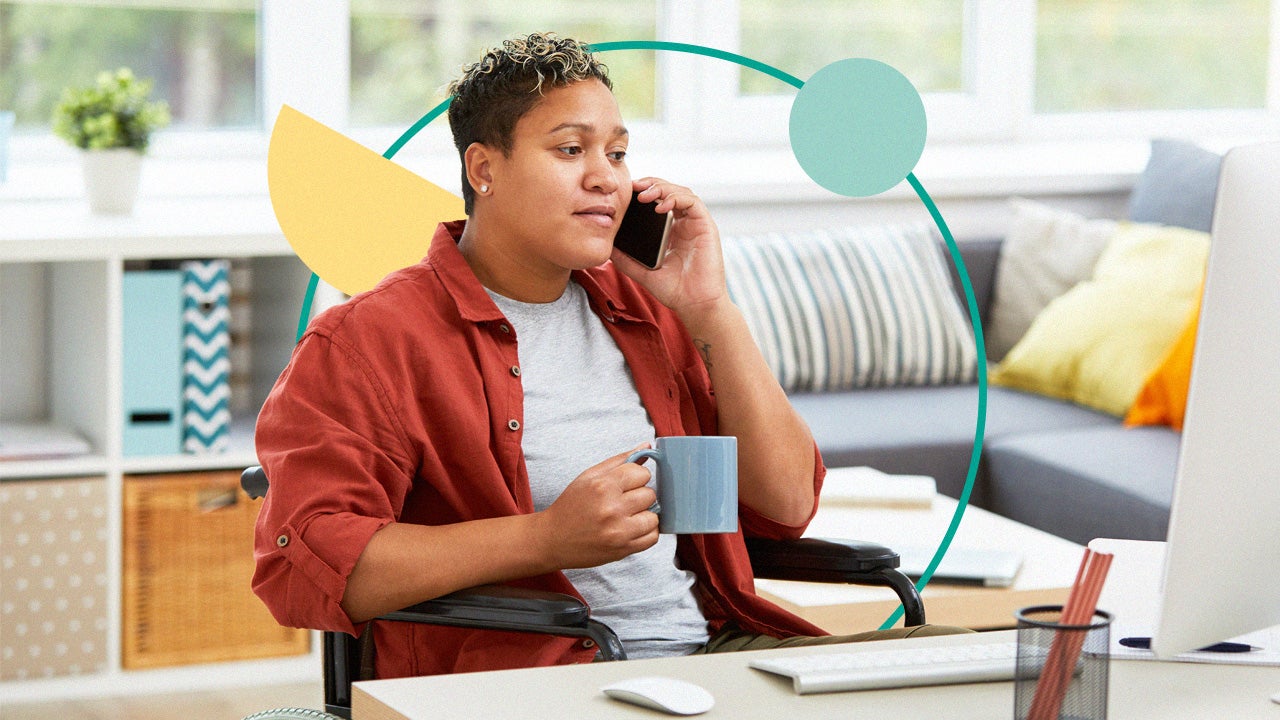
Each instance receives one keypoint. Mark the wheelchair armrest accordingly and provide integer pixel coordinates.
(817, 559)
(499, 603)
(836, 561)
(502, 607)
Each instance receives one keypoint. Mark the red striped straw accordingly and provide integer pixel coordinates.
(1065, 650)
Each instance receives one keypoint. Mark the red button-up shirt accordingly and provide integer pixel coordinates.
(400, 406)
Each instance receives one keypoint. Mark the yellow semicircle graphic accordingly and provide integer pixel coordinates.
(351, 215)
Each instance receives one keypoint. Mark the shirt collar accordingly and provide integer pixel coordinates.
(455, 274)
(607, 303)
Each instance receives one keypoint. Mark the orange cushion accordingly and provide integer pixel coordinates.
(1163, 398)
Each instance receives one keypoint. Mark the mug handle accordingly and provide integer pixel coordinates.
(636, 457)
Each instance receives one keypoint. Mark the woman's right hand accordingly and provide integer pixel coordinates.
(602, 516)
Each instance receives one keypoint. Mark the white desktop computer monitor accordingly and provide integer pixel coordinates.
(1222, 562)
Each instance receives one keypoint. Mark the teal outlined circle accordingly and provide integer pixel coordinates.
(974, 317)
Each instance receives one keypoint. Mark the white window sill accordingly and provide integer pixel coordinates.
(721, 176)
(187, 204)
(192, 196)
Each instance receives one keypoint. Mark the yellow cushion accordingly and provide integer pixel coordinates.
(1097, 343)
(1163, 398)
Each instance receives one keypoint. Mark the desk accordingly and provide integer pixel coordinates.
(1138, 690)
(1048, 568)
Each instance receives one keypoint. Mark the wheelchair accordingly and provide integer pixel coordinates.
(500, 607)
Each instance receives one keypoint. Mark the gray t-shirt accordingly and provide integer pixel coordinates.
(580, 407)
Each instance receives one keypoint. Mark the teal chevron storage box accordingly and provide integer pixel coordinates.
(206, 359)
(152, 349)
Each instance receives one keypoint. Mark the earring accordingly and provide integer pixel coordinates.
(484, 188)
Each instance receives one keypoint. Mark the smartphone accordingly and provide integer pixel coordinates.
(643, 233)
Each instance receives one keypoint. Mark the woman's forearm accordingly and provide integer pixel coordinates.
(775, 447)
(405, 564)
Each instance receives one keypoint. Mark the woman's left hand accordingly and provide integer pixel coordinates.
(691, 279)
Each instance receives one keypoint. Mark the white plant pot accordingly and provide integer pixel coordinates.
(111, 179)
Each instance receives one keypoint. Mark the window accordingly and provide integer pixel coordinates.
(1150, 55)
(990, 71)
(921, 39)
(1038, 69)
(403, 52)
(202, 55)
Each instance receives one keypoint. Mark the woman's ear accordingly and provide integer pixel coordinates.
(479, 167)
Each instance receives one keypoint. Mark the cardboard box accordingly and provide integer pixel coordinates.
(53, 568)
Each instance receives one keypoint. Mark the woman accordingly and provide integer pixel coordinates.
(468, 420)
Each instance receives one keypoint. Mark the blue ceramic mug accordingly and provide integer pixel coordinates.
(697, 483)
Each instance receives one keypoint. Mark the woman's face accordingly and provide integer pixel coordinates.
(559, 196)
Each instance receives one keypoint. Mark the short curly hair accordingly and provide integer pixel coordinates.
(493, 94)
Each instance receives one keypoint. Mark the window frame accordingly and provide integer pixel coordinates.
(304, 61)
(979, 111)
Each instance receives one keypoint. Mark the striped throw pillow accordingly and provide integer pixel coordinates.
(851, 308)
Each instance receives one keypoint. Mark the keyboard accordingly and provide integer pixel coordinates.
(872, 669)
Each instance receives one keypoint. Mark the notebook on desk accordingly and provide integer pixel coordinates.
(962, 565)
(868, 487)
(1266, 644)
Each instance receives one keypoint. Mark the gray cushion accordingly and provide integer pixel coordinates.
(1085, 483)
(981, 257)
(1177, 187)
(928, 431)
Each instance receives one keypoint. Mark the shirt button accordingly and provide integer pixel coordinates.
(513, 424)
(504, 328)
(588, 643)
(282, 540)
(515, 370)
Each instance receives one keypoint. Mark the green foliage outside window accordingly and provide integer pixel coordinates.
(922, 39)
(1118, 55)
(404, 53)
(203, 61)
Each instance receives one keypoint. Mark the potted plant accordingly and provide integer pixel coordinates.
(111, 122)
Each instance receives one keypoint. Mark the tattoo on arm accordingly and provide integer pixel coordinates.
(704, 349)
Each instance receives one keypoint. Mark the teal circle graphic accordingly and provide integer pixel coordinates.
(970, 300)
(857, 127)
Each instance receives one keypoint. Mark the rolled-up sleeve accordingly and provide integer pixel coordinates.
(339, 466)
(755, 524)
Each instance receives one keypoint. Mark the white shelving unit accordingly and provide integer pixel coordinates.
(61, 307)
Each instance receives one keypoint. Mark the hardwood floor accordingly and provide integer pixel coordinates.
(219, 705)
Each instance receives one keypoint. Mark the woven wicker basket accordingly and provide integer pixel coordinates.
(188, 562)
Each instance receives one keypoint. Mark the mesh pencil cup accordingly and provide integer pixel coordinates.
(1062, 670)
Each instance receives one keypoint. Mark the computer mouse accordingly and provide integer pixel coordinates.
(668, 695)
(1276, 698)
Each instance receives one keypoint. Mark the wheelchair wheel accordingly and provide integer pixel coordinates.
(292, 714)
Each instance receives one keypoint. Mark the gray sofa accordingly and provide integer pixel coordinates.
(1053, 465)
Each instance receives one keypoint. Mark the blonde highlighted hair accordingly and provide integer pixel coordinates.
(493, 93)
